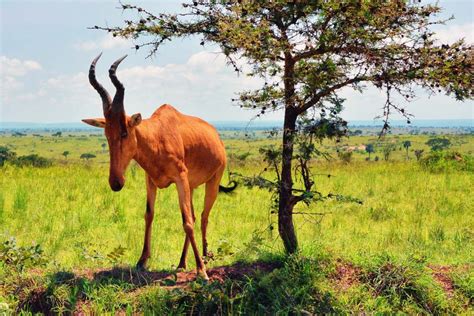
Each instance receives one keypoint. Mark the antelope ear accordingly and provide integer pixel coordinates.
(97, 122)
(135, 120)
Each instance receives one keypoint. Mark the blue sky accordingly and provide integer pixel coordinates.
(46, 50)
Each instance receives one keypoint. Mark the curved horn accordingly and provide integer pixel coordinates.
(104, 95)
(117, 104)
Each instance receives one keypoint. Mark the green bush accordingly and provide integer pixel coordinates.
(440, 161)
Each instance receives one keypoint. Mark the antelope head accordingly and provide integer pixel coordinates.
(119, 128)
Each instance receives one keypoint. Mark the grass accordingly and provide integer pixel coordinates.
(410, 219)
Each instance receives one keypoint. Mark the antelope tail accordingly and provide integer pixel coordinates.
(228, 189)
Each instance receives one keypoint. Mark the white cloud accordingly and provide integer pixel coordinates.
(452, 33)
(202, 86)
(107, 42)
(11, 71)
(12, 67)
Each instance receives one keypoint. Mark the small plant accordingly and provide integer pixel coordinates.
(66, 153)
(387, 150)
(116, 254)
(19, 258)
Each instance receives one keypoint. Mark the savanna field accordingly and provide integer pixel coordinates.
(70, 244)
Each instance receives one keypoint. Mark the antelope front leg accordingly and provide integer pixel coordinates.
(184, 193)
(182, 262)
(150, 211)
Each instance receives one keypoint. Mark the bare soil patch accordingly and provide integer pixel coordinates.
(441, 275)
(346, 275)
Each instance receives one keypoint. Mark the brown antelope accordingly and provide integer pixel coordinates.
(172, 148)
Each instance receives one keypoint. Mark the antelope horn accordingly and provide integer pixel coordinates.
(104, 95)
(117, 104)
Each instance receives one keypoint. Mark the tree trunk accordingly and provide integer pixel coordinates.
(287, 200)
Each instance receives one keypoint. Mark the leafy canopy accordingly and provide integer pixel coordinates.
(327, 44)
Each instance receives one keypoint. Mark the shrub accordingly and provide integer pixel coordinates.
(32, 160)
(345, 156)
(439, 161)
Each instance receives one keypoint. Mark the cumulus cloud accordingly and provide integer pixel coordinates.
(107, 42)
(452, 33)
(201, 86)
(12, 67)
(11, 71)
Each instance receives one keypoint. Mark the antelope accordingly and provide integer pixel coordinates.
(172, 148)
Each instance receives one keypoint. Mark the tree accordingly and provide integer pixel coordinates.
(103, 146)
(66, 153)
(87, 156)
(6, 155)
(437, 144)
(306, 52)
(406, 145)
(370, 149)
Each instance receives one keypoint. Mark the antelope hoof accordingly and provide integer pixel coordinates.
(181, 267)
(203, 275)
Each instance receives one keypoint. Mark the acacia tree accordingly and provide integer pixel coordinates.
(307, 51)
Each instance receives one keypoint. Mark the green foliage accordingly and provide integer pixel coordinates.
(438, 144)
(18, 257)
(387, 150)
(442, 161)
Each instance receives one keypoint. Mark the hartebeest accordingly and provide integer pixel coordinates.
(172, 148)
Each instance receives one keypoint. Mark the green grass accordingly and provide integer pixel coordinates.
(410, 218)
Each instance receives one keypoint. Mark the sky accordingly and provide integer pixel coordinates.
(46, 49)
